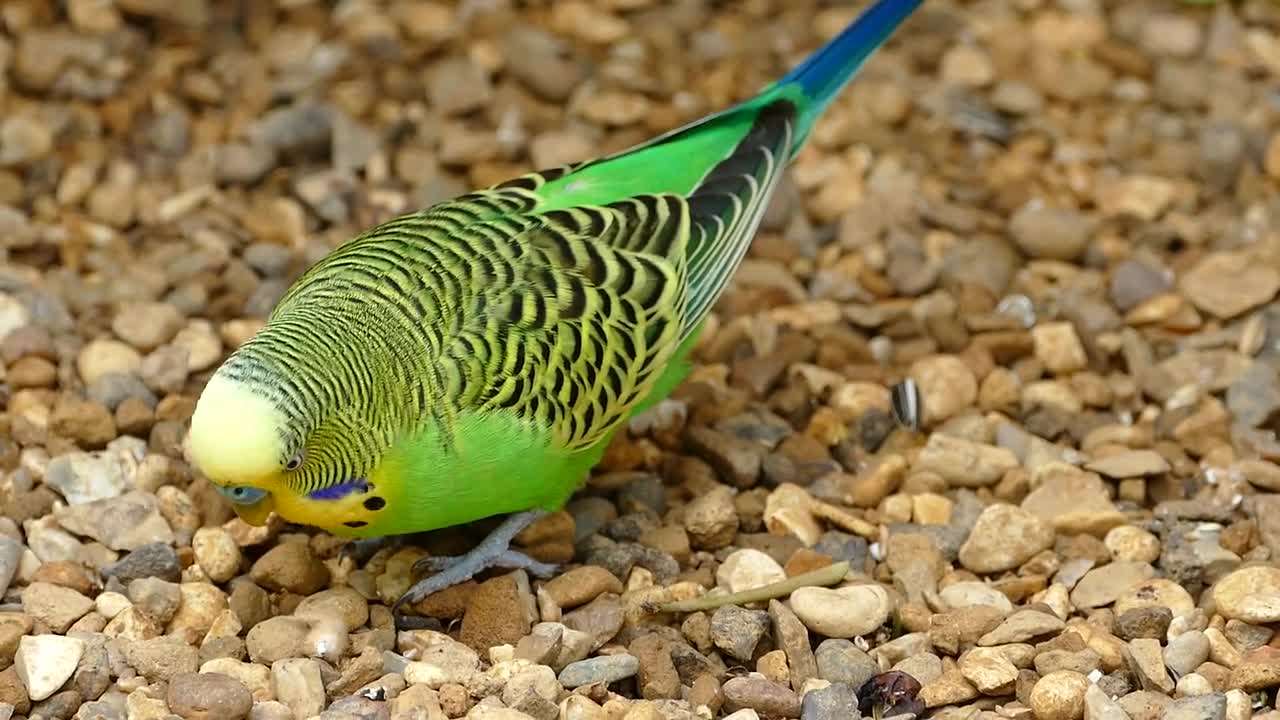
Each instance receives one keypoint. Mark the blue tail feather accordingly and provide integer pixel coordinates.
(824, 73)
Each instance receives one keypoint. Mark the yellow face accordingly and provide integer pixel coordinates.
(235, 441)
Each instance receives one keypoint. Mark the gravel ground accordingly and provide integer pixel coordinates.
(1061, 220)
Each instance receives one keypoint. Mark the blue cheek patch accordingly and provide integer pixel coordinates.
(339, 491)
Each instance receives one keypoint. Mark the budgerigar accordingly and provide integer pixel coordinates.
(475, 358)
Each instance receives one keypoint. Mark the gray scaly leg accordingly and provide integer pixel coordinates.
(492, 552)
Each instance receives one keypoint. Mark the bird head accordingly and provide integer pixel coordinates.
(237, 441)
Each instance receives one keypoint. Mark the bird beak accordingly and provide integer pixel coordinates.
(258, 513)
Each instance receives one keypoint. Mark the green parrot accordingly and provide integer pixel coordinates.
(475, 358)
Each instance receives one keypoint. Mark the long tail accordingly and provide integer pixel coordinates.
(826, 72)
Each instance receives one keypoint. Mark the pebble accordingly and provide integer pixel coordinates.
(964, 463)
(748, 569)
(1050, 233)
(1100, 706)
(1003, 538)
(969, 593)
(602, 669)
(844, 612)
(209, 696)
(736, 631)
(147, 325)
(1250, 594)
(297, 683)
(1022, 626)
(44, 663)
(53, 606)
(127, 522)
(990, 671)
(107, 357)
(1186, 652)
(711, 519)
(82, 477)
(840, 661)
(946, 384)
(217, 553)
(581, 585)
(1132, 544)
(1059, 696)
(1226, 284)
(765, 697)
(290, 566)
(1102, 586)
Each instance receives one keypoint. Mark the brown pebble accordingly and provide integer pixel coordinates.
(494, 615)
(581, 585)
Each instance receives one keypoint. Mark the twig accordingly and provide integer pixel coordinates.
(821, 577)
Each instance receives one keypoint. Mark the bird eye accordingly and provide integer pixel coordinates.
(242, 495)
(294, 463)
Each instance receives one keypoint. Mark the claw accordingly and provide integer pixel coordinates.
(361, 551)
(493, 552)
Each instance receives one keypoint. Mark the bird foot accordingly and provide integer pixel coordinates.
(361, 551)
(492, 552)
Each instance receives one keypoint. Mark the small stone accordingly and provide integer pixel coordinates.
(1186, 652)
(736, 631)
(297, 683)
(657, 677)
(967, 594)
(1159, 593)
(600, 619)
(276, 638)
(162, 658)
(107, 357)
(947, 386)
(1099, 706)
(1250, 594)
(989, 670)
(290, 566)
(967, 65)
(53, 606)
(748, 569)
(1257, 670)
(1146, 662)
(840, 661)
(147, 325)
(45, 663)
(1059, 696)
(736, 460)
(458, 85)
(834, 702)
(1227, 284)
(843, 613)
(343, 603)
(964, 463)
(768, 698)
(1132, 544)
(1101, 586)
(581, 585)
(1058, 347)
(1003, 538)
(156, 598)
(495, 615)
(790, 635)
(1132, 463)
(216, 553)
(127, 522)
(711, 519)
(1020, 627)
(209, 696)
(1050, 233)
(151, 560)
(603, 669)
(1144, 622)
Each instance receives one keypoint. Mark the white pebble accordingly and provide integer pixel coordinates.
(748, 569)
(842, 613)
(45, 662)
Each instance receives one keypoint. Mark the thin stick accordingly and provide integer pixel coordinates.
(821, 577)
